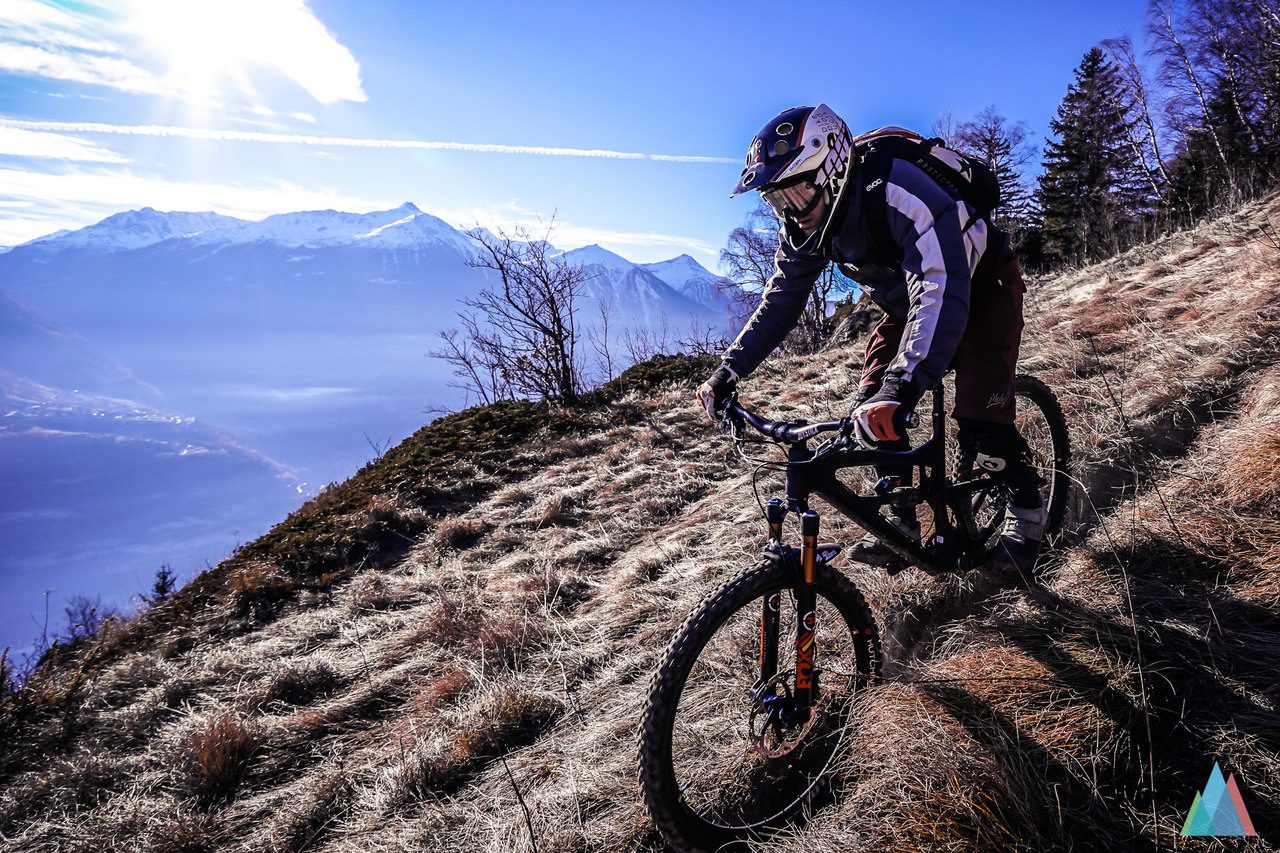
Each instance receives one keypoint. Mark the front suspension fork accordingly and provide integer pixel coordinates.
(805, 685)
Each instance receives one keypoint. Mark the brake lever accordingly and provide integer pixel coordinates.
(734, 425)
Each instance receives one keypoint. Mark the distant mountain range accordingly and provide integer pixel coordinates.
(197, 373)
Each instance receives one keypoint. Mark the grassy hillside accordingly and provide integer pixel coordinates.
(469, 623)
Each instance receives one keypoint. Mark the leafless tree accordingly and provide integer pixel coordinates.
(644, 341)
(85, 617)
(945, 128)
(1178, 72)
(478, 374)
(703, 339)
(1002, 145)
(599, 338)
(520, 335)
(1146, 146)
(749, 261)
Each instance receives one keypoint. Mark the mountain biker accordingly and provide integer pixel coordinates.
(947, 280)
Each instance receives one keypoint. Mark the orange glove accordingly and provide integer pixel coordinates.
(875, 421)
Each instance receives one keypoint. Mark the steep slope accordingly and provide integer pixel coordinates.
(351, 680)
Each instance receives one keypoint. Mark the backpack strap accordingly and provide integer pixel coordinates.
(873, 174)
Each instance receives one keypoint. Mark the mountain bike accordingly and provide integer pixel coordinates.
(740, 728)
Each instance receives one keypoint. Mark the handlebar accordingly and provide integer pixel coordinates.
(792, 432)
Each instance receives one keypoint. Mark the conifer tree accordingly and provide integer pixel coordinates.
(1093, 191)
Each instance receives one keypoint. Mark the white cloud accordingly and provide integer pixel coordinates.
(349, 141)
(79, 197)
(78, 67)
(16, 142)
(262, 110)
(41, 23)
(181, 48)
(203, 40)
(307, 117)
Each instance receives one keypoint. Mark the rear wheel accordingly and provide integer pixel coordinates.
(1042, 424)
(719, 763)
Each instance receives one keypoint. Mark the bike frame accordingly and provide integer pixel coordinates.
(811, 474)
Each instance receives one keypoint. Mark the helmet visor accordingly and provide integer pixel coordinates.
(794, 200)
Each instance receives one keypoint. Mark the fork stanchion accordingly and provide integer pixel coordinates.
(806, 614)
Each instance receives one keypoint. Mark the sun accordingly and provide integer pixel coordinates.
(203, 45)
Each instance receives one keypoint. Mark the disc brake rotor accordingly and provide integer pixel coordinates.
(771, 733)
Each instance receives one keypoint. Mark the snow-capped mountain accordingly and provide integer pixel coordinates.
(132, 229)
(691, 279)
(636, 296)
(402, 227)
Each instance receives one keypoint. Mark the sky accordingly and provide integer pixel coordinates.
(618, 124)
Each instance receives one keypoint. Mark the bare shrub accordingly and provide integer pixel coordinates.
(213, 758)
(301, 682)
(461, 532)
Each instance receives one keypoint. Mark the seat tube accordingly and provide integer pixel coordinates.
(806, 684)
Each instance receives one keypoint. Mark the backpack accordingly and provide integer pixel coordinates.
(963, 177)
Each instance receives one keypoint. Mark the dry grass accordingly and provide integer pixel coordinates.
(212, 759)
(369, 680)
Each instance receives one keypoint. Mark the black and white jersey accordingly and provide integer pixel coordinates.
(913, 245)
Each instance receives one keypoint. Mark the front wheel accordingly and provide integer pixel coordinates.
(721, 760)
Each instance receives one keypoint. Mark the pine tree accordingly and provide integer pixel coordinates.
(1094, 190)
(162, 587)
(1198, 180)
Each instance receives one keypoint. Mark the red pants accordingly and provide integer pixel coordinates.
(987, 357)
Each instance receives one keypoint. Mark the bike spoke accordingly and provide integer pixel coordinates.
(736, 767)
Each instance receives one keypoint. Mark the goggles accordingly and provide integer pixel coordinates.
(794, 200)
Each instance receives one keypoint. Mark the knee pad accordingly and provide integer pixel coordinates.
(992, 447)
(1001, 450)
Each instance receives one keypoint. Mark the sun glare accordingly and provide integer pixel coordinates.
(204, 45)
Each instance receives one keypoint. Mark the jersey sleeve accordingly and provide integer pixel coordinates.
(942, 241)
(779, 310)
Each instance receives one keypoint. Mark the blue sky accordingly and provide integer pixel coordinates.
(111, 106)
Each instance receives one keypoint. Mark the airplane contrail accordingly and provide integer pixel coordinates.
(346, 141)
